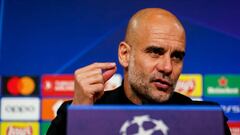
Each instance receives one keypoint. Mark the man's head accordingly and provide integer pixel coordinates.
(152, 55)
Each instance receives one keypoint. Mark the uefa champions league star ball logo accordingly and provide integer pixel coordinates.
(143, 125)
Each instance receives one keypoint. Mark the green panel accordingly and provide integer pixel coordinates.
(222, 85)
(44, 127)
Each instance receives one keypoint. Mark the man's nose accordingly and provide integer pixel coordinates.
(164, 65)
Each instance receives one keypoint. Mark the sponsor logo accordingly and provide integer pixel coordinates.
(223, 81)
(114, 82)
(15, 130)
(50, 107)
(234, 127)
(190, 85)
(231, 108)
(225, 85)
(20, 86)
(57, 85)
(19, 128)
(140, 129)
(20, 108)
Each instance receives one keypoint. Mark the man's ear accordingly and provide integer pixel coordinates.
(124, 54)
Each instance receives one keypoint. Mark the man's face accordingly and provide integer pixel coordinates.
(155, 64)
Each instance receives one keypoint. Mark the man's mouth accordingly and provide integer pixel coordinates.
(162, 84)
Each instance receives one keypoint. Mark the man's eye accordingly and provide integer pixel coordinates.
(154, 54)
(177, 57)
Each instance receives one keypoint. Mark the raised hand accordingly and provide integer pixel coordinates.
(90, 82)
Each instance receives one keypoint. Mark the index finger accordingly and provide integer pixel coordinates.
(103, 66)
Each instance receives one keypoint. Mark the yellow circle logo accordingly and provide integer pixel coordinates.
(28, 85)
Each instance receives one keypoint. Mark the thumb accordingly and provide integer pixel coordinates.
(109, 73)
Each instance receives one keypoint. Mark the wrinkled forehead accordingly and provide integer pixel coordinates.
(164, 24)
(161, 30)
(165, 33)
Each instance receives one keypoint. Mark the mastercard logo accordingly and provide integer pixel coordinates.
(21, 85)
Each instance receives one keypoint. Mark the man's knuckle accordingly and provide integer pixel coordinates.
(76, 72)
(99, 71)
(100, 86)
(100, 78)
(95, 63)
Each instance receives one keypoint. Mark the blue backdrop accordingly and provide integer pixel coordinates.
(59, 36)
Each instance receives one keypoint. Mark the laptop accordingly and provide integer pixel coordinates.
(144, 120)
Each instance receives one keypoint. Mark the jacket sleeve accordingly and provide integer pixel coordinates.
(59, 124)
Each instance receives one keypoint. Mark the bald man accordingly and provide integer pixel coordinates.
(152, 57)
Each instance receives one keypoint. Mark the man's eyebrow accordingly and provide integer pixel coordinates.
(154, 49)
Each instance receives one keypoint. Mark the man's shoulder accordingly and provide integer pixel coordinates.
(207, 103)
(116, 96)
(182, 99)
(178, 98)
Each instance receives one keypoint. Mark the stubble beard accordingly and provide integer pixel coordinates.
(140, 85)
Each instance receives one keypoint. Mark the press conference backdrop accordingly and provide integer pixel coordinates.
(42, 42)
